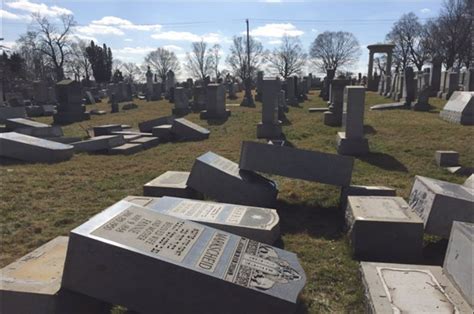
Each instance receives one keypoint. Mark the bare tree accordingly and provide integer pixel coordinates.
(215, 53)
(131, 71)
(53, 40)
(199, 60)
(161, 61)
(333, 50)
(288, 59)
(448, 36)
(79, 60)
(36, 66)
(381, 62)
(237, 59)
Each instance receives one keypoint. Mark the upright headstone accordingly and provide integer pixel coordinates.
(330, 73)
(114, 107)
(439, 203)
(291, 99)
(70, 107)
(259, 95)
(270, 127)
(459, 109)
(452, 84)
(170, 83)
(199, 98)
(435, 77)
(181, 102)
(178, 261)
(222, 180)
(409, 87)
(352, 141)
(333, 117)
(215, 103)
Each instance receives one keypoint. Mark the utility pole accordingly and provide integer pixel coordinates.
(248, 98)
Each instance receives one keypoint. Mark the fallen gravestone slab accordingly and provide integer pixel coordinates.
(163, 132)
(403, 288)
(383, 228)
(64, 139)
(17, 123)
(256, 223)
(32, 284)
(397, 105)
(147, 141)
(99, 143)
(469, 182)
(296, 163)
(126, 149)
(171, 183)
(106, 129)
(459, 109)
(132, 132)
(131, 137)
(147, 126)
(28, 148)
(222, 180)
(178, 260)
(439, 203)
(459, 256)
(187, 131)
(447, 158)
(33, 128)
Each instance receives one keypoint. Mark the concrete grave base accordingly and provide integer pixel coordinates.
(106, 129)
(28, 148)
(398, 105)
(268, 131)
(32, 284)
(447, 158)
(332, 119)
(171, 183)
(351, 146)
(362, 190)
(384, 228)
(209, 115)
(418, 106)
(403, 288)
(180, 111)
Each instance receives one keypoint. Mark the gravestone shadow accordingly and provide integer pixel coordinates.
(434, 252)
(368, 129)
(5, 161)
(318, 222)
(217, 121)
(383, 161)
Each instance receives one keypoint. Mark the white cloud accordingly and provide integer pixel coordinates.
(125, 24)
(8, 15)
(41, 8)
(7, 44)
(271, 1)
(134, 50)
(128, 39)
(173, 47)
(276, 30)
(93, 29)
(425, 11)
(275, 42)
(211, 38)
(313, 30)
(85, 37)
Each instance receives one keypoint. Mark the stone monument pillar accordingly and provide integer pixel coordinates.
(352, 141)
(270, 127)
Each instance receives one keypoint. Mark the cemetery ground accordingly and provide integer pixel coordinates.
(42, 201)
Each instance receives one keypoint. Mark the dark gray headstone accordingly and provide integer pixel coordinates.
(28, 148)
(178, 260)
(222, 180)
(147, 126)
(186, 130)
(99, 143)
(439, 203)
(106, 129)
(447, 158)
(296, 163)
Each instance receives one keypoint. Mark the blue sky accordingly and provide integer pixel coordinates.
(133, 28)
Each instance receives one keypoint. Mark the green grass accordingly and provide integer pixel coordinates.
(40, 202)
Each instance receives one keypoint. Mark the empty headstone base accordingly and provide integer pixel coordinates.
(351, 146)
(268, 131)
(208, 115)
(332, 119)
(180, 111)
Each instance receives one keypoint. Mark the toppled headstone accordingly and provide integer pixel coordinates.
(363, 190)
(447, 158)
(458, 261)
(32, 284)
(163, 132)
(221, 179)
(469, 182)
(106, 129)
(178, 260)
(186, 130)
(147, 126)
(256, 223)
(383, 228)
(147, 142)
(459, 109)
(99, 143)
(170, 183)
(439, 203)
(402, 288)
(33, 128)
(126, 149)
(296, 163)
(28, 148)
(397, 105)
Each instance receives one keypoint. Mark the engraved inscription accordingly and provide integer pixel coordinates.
(226, 165)
(213, 252)
(197, 210)
(151, 232)
(236, 215)
(421, 200)
(257, 265)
